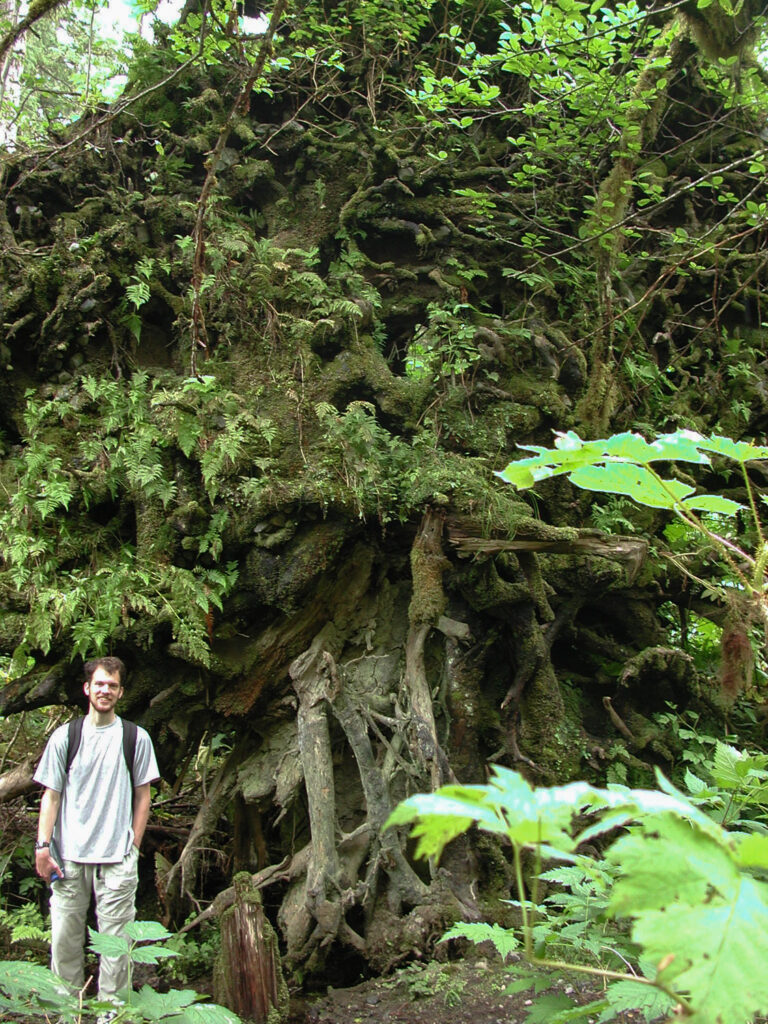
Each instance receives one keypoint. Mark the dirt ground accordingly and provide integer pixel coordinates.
(462, 992)
(458, 992)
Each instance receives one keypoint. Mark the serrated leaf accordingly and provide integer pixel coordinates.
(680, 446)
(143, 931)
(720, 948)
(151, 954)
(729, 767)
(432, 831)
(108, 945)
(503, 939)
(528, 817)
(155, 1005)
(21, 983)
(677, 863)
(206, 1013)
(740, 451)
(634, 995)
(713, 503)
(694, 784)
(546, 1007)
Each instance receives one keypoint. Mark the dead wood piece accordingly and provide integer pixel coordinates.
(387, 853)
(452, 628)
(427, 605)
(631, 551)
(311, 679)
(248, 977)
(41, 686)
(17, 781)
(274, 873)
(617, 720)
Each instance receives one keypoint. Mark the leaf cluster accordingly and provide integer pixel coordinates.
(693, 893)
(85, 574)
(25, 987)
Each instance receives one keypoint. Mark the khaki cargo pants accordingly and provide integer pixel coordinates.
(114, 886)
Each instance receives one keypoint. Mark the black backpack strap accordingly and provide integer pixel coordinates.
(74, 735)
(130, 730)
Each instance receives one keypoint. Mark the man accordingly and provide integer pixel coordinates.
(92, 820)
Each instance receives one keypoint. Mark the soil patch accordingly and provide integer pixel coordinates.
(461, 992)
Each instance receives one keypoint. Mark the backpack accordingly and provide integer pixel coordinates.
(75, 733)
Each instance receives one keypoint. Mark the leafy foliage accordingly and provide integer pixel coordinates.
(622, 464)
(27, 986)
(22, 983)
(71, 61)
(25, 923)
(90, 583)
(694, 893)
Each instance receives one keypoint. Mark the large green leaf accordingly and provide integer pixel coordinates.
(151, 954)
(712, 503)
(508, 805)
(720, 948)
(675, 863)
(739, 451)
(179, 1006)
(145, 931)
(619, 465)
(439, 817)
(693, 907)
(503, 939)
(157, 1005)
(682, 446)
(108, 945)
(635, 481)
(24, 985)
(206, 1013)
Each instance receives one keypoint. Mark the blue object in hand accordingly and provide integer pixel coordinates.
(55, 876)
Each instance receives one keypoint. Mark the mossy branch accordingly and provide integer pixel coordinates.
(37, 10)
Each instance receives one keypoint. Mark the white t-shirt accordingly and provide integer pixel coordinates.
(96, 812)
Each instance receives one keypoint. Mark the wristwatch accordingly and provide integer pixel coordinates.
(42, 846)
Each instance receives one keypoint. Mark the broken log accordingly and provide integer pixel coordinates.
(248, 977)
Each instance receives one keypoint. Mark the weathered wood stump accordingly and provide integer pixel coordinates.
(248, 977)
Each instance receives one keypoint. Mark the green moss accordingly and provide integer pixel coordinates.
(550, 729)
(429, 601)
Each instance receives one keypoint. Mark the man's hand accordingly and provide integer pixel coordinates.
(45, 865)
